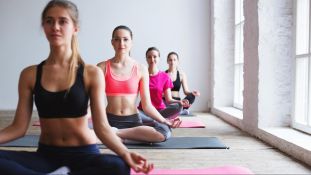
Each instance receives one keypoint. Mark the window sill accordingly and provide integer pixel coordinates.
(286, 139)
(231, 115)
(290, 135)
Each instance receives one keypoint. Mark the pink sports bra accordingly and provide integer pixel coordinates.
(121, 86)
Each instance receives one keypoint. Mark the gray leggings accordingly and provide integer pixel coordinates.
(130, 121)
(171, 111)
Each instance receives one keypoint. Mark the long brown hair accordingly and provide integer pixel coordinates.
(76, 58)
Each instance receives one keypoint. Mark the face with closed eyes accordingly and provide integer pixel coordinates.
(58, 26)
(122, 41)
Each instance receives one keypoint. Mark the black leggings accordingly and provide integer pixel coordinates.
(80, 160)
(189, 97)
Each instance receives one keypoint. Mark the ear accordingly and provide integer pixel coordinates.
(76, 29)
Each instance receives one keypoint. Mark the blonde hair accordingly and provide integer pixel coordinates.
(76, 58)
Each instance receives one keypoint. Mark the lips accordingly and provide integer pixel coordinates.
(55, 35)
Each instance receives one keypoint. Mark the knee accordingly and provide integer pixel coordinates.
(118, 166)
(4, 154)
(164, 132)
(179, 107)
(122, 167)
(190, 98)
(160, 137)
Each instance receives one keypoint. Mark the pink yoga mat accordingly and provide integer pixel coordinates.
(193, 123)
(36, 123)
(212, 170)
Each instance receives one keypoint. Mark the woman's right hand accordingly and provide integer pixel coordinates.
(173, 123)
(137, 162)
(196, 93)
(185, 103)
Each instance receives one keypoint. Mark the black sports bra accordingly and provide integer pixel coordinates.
(62, 104)
(176, 83)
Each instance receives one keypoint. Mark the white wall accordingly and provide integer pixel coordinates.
(223, 53)
(170, 25)
(276, 57)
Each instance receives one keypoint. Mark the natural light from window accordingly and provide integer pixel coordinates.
(302, 111)
(238, 55)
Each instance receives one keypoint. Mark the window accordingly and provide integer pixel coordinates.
(238, 55)
(302, 110)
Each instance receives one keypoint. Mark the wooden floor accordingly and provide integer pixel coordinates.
(244, 150)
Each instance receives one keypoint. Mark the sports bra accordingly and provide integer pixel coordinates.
(176, 83)
(121, 86)
(63, 104)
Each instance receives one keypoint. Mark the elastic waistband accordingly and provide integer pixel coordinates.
(92, 148)
(125, 117)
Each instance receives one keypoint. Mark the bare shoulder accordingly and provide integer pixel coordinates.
(29, 69)
(182, 73)
(29, 73)
(102, 64)
(142, 69)
(91, 70)
(92, 76)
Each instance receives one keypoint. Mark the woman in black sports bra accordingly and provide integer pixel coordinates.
(61, 87)
(179, 79)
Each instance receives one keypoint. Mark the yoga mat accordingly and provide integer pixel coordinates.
(183, 143)
(228, 170)
(188, 115)
(192, 123)
(171, 143)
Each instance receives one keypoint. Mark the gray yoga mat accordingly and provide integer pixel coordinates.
(171, 143)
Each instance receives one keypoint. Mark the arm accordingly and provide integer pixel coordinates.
(185, 87)
(102, 66)
(102, 128)
(23, 112)
(169, 99)
(147, 106)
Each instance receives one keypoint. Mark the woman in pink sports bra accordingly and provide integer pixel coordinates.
(125, 80)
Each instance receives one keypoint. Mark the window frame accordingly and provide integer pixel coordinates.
(238, 60)
(298, 57)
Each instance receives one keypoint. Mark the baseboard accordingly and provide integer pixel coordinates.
(11, 113)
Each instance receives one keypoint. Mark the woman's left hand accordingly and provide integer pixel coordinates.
(196, 93)
(185, 103)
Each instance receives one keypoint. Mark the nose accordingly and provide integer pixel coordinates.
(55, 26)
(122, 42)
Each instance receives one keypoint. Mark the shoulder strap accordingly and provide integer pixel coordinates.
(178, 78)
(107, 70)
(39, 74)
(80, 70)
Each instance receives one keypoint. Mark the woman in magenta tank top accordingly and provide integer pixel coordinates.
(126, 79)
(160, 85)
